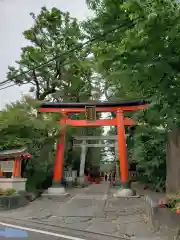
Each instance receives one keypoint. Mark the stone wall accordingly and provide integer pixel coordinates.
(12, 202)
(19, 184)
(162, 218)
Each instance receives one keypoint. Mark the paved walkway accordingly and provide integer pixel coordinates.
(93, 209)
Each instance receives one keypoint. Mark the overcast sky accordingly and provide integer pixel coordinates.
(14, 19)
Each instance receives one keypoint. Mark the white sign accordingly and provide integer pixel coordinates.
(7, 166)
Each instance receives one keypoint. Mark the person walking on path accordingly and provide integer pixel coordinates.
(106, 177)
(110, 177)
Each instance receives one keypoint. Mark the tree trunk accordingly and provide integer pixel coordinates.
(173, 162)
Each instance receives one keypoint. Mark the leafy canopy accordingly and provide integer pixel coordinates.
(142, 61)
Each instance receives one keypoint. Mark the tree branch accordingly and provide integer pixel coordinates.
(37, 85)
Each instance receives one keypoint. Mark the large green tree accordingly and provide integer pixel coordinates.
(141, 59)
(20, 127)
(62, 74)
(135, 63)
(57, 65)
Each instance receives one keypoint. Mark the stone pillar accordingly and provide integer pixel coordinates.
(82, 162)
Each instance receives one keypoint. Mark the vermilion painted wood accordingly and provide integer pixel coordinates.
(120, 121)
(124, 171)
(58, 169)
(60, 148)
(102, 109)
(18, 168)
(16, 172)
(105, 122)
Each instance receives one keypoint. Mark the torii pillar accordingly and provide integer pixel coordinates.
(118, 182)
(82, 162)
(57, 188)
(90, 110)
(125, 190)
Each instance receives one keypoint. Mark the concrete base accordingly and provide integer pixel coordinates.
(125, 192)
(118, 183)
(55, 191)
(81, 180)
(19, 184)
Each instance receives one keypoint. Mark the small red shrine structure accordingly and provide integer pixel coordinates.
(16, 155)
(90, 110)
(15, 158)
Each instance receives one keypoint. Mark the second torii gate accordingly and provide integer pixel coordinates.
(90, 110)
(81, 141)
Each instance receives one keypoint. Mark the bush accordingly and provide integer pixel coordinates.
(173, 203)
(7, 192)
(150, 157)
(38, 180)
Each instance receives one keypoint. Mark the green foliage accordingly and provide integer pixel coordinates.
(7, 192)
(21, 126)
(138, 57)
(134, 63)
(150, 156)
(37, 178)
(173, 203)
(142, 61)
(67, 76)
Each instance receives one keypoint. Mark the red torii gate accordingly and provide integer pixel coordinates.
(119, 121)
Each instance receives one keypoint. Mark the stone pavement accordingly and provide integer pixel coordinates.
(93, 209)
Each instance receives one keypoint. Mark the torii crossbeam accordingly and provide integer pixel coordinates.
(90, 110)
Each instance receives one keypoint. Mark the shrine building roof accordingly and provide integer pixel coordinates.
(22, 153)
